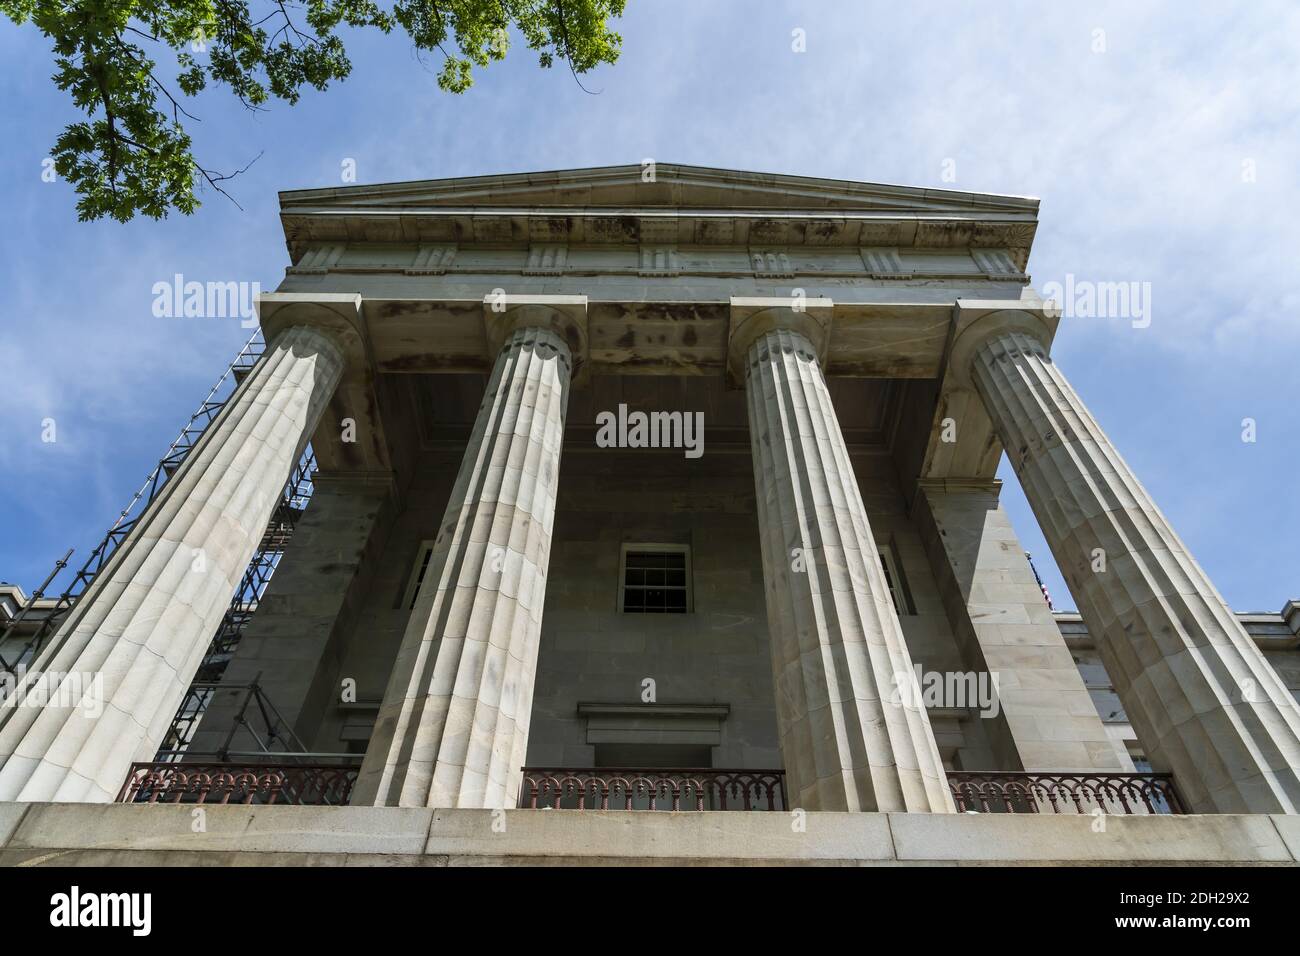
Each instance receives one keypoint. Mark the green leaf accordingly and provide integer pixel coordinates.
(131, 156)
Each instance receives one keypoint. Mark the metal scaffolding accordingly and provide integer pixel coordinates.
(293, 499)
(26, 609)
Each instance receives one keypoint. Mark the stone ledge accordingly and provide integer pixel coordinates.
(163, 835)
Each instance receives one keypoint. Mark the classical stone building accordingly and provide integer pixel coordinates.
(658, 487)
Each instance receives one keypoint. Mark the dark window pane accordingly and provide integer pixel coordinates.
(654, 582)
(419, 578)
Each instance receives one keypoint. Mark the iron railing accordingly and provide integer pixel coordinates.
(1041, 792)
(620, 788)
(249, 783)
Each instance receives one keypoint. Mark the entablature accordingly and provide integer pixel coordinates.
(659, 260)
(873, 338)
(661, 254)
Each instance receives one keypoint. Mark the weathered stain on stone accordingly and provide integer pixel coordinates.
(614, 229)
(883, 366)
(824, 229)
(556, 227)
(389, 310)
(573, 340)
(435, 362)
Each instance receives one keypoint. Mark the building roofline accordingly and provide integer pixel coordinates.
(596, 174)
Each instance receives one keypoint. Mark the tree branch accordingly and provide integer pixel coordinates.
(568, 48)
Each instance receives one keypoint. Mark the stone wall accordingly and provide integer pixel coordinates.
(593, 654)
(164, 835)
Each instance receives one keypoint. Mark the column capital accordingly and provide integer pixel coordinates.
(754, 316)
(334, 315)
(565, 315)
(979, 321)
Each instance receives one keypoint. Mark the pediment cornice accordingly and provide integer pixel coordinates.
(682, 204)
(672, 186)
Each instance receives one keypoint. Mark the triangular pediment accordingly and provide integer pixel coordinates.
(665, 186)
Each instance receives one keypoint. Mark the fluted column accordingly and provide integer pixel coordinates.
(117, 669)
(453, 727)
(854, 734)
(1204, 702)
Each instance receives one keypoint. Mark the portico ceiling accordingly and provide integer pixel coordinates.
(445, 405)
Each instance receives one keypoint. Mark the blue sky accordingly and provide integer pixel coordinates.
(1140, 140)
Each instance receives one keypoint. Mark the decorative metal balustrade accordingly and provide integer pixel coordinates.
(1118, 793)
(620, 788)
(252, 783)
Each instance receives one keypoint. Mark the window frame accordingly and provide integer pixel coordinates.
(899, 594)
(415, 580)
(647, 547)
